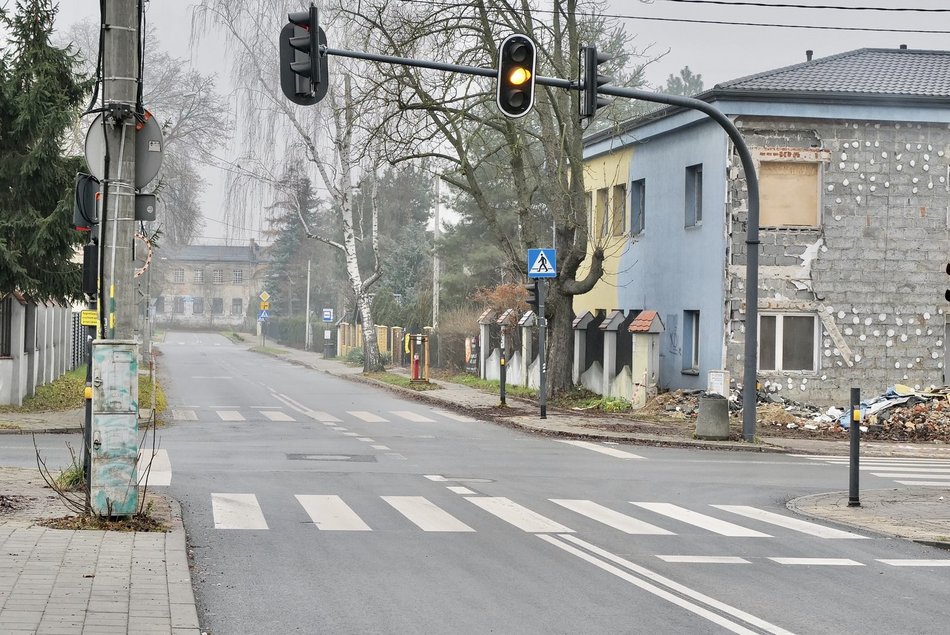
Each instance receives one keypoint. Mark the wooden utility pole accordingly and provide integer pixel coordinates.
(120, 84)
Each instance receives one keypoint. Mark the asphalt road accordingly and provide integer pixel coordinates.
(317, 505)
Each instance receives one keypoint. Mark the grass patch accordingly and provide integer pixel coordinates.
(64, 393)
(145, 394)
(402, 381)
(268, 350)
(491, 385)
(234, 336)
(583, 399)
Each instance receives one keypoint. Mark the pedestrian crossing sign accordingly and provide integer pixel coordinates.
(263, 316)
(542, 263)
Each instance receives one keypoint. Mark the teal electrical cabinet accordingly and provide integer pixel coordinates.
(113, 485)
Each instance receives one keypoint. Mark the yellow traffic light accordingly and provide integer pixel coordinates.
(516, 63)
(519, 76)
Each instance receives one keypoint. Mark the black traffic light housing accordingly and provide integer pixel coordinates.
(946, 294)
(532, 299)
(303, 66)
(516, 62)
(85, 199)
(588, 61)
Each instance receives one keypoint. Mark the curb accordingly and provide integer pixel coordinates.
(181, 595)
(41, 431)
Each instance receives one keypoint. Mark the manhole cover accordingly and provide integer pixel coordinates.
(359, 458)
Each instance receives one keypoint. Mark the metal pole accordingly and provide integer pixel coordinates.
(542, 354)
(502, 368)
(120, 89)
(306, 336)
(854, 499)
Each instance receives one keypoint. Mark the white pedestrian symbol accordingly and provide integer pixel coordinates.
(541, 265)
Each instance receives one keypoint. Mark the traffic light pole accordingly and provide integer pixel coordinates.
(542, 353)
(750, 369)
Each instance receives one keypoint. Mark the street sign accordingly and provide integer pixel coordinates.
(149, 149)
(88, 317)
(542, 263)
(265, 305)
(264, 296)
(263, 316)
(328, 315)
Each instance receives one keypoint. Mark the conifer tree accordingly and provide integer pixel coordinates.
(40, 95)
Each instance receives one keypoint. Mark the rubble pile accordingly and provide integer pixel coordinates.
(899, 414)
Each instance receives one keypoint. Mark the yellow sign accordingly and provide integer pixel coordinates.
(265, 306)
(264, 296)
(88, 317)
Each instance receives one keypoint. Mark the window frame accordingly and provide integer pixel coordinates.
(178, 275)
(618, 209)
(197, 306)
(638, 204)
(240, 306)
(217, 276)
(694, 195)
(199, 276)
(764, 187)
(217, 306)
(237, 276)
(780, 345)
(691, 341)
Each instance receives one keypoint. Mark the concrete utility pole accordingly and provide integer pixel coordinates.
(120, 82)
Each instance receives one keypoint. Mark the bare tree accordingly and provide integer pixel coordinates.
(537, 159)
(334, 139)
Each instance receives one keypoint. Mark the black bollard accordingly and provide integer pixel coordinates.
(854, 499)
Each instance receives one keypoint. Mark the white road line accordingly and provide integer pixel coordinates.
(160, 471)
(339, 429)
(323, 417)
(211, 377)
(425, 515)
(902, 468)
(611, 518)
(926, 483)
(330, 513)
(237, 511)
(408, 415)
(351, 434)
(823, 562)
(366, 439)
(396, 456)
(702, 521)
(912, 475)
(459, 489)
(277, 415)
(184, 415)
(437, 478)
(454, 417)
(676, 587)
(705, 559)
(521, 517)
(620, 454)
(380, 447)
(916, 563)
(795, 524)
(230, 415)
(368, 417)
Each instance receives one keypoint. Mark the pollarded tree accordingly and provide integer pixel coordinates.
(41, 91)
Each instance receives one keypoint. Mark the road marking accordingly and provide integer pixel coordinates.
(521, 517)
(794, 524)
(339, 429)
(438, 478)
(368, 417)
(160, 471)
(702, 521)
(396, 456)
(184, 415)
(230, 415)
(237, 511)
(323, 417)
(460, 489)
(916, 563)
(892, 467)
(425, 515)
(925, 483)
(911, 475)
(454, 417)
(412, 416)
(611, 518)
(705, 559)
(277, 415)
(380, 447)
(669, 596)
(330, 513)
(211, 377)
(366, 439)
(620, 454)
(351, 434)
(824, 562)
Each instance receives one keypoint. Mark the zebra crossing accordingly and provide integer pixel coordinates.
(278, 415)
(903, 470)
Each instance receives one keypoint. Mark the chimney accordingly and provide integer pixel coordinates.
(808, 55)
(903, 47)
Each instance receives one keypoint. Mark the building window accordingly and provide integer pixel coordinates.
(690, 341)
(217, 276)
(159, 304)
(217, 306)
(694, 195)
(789, 193)
(788, 341)
(6, 325)
(178, 275)
(618, 216)
(237, 276)
(197, 306)
(199, 276)
(237, 306)
(601, 213)
(638, 205)
(178, 306)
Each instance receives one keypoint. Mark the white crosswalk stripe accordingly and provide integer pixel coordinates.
(323, 417)
(368, 417)
(412, 416)
(154, 468)
(237, 511)
(184, 415)
(924, 472)
(330, 513)
(521, 517)
(425, 515)
(230, 415)
(702, 521)
(596, 447)
(795, 524)
(277, 415)
(453, 416)
(611, 518)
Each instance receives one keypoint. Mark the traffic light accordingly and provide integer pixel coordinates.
(85, 199)
(532, 299)
(946, 294)
(588, 61)
(303, 67)
(516, 57)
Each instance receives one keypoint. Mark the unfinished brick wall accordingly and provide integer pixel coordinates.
(873, 271)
